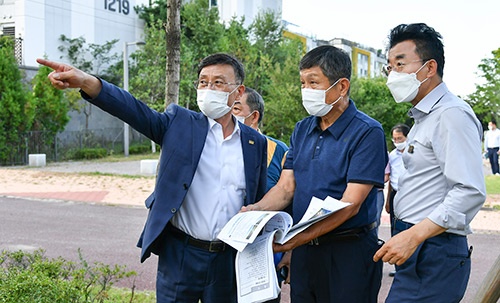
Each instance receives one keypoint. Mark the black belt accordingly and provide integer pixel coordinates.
(400, 225)
(347, 234)
(211, 246)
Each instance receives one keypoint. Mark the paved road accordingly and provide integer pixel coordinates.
(105, 234)
(108, 234)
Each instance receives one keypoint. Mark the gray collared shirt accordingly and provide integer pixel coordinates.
(444, 178)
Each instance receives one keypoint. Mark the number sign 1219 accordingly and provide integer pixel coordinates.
(120, 6)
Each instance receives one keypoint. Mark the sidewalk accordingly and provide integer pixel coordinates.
(120, 183)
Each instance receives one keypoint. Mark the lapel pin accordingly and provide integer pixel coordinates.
(410, 149)
(251, 142)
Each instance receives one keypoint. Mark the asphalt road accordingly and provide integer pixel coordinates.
(109, 234)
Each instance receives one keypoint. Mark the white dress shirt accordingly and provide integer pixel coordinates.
(397, 167)
(218, 188)
(492, 138)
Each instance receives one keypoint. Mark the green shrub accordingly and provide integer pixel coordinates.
(32, 277)
(139, 149)
(89, 153)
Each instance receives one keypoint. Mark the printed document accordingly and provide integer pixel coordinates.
(252, 233)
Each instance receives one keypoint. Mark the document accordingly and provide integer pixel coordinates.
(252, 233)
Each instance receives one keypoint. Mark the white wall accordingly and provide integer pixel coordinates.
(40, 23)
(248, 8)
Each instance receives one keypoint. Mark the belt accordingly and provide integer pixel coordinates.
(211, 246)
(400, 225)
(347, 234)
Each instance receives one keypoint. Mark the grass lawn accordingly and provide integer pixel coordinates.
(492, 185)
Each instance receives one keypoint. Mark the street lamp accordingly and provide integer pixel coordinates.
(126, 128)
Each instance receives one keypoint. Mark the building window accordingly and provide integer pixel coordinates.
(8, 31)
(362, 65)
(213, 3)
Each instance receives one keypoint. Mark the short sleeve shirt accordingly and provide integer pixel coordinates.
(351, 150)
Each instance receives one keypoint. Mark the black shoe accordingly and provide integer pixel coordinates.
(392, 273)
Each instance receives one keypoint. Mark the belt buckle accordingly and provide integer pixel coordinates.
(314, 241)
(214, 247)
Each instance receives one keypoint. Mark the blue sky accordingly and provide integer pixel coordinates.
(470, 29)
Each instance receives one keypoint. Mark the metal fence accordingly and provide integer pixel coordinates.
(63, 146)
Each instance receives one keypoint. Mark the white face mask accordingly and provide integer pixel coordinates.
(213, 103)
(490, 127)
(400, 145)
(314, 101)
(403, 86)
(243, 118)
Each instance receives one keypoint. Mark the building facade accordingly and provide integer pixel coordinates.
(37, 25)
(366, 61)
(247, 8)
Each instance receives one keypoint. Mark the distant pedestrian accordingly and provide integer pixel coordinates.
(491, 146)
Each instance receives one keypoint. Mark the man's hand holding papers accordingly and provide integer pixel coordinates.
(252, 233)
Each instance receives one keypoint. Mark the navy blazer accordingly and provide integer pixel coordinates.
(181, 133)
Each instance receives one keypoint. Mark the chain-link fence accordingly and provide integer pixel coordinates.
(64, 145)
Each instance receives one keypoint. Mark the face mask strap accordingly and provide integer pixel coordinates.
(229, 94)
(250, 114)
(335, 102)
(332, 85)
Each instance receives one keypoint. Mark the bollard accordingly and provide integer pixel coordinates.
(36, 159)
(148, 167)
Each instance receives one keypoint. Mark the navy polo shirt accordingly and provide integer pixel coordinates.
(351, 150)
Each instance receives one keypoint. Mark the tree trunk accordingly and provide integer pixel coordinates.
(173, 51)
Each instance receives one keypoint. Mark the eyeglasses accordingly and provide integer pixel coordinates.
(386, 68)
(398, 140)
(217, 84)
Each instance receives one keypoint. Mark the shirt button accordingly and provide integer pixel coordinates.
(173, 210)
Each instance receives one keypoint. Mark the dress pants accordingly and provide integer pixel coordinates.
(437, 272)
(493, 156)
(187, 274)
(339, 271)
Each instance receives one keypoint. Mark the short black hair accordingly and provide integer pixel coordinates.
(427, 40)
(222, 58)
(255, 101)
(401, 128)
(334, 62)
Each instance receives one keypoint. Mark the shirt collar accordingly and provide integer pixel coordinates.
(338, 127)
(425, 105)
(212, 123)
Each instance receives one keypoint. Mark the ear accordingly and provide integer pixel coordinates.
(255, 118)
(240, 91)
(432, 67)
(344, 86)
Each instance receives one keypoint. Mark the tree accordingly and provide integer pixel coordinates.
(270, 60)
(16, 107)
(485, 101)
(372, 97)
(51, 106)
(173, 35)
(147, 82)
(92, 58)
